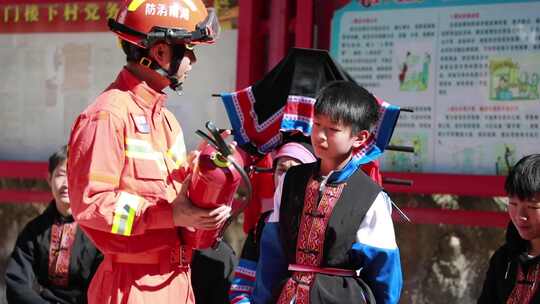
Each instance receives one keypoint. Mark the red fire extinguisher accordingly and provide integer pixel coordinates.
(214, 181)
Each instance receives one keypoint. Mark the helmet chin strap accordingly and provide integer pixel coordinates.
(176, 86)
(178, 51)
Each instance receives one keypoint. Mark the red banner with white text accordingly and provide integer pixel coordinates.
(42, 16)
(56, 16)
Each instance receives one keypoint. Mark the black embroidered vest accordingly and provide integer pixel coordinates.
(328, 223)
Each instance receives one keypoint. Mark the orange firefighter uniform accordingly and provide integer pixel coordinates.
(126, 161)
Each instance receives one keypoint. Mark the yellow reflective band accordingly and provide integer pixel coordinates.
(142, 149)
(178, 151)
(102, 115)
(143, 155)
(155, 156)
(124, 213)
(134, 5)
(104, 178)
(177, 160)
(138, 145)
(136, 148)
(123, 223)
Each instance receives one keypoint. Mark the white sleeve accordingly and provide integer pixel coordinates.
(377, 228)
(274, 216)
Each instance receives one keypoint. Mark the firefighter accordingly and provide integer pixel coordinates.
(127, 167)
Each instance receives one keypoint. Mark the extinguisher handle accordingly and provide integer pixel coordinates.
(223, 148)
(208, 139)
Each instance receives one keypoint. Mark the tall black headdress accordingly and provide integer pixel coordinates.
(281, 105)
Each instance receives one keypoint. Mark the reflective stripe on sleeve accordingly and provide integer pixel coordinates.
(124, 213)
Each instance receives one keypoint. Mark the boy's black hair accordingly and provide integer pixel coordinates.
(57, 158)
(348, 103)
(523, 180)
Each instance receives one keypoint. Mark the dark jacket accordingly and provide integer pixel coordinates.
(503, 267)
(212, 271)
(27, 274)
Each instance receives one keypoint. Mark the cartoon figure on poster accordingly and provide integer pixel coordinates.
(407, 162)
(513, 80)
(414, 72)
(506, 158)
(227, 11)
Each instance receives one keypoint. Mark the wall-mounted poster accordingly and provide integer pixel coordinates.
(227, 11)
(470, 70)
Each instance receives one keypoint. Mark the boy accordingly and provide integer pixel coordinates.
(334, 241)
(52, 251)
(514, 270)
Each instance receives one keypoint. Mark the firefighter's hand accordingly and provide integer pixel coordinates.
(188, 215)
(192, 159)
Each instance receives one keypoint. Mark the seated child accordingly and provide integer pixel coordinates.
(333, 240)
(53, 261)
(514, 270)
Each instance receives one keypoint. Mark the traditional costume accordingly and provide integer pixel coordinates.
(53, 261)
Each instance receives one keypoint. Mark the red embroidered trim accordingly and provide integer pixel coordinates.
(523, 292)
(311, 237)
(62, 239)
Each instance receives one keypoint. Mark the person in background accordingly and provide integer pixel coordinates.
(53, 261)
(212, 270)
(513, 276)
(287, 155)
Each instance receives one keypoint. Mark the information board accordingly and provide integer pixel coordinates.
(468, 68)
